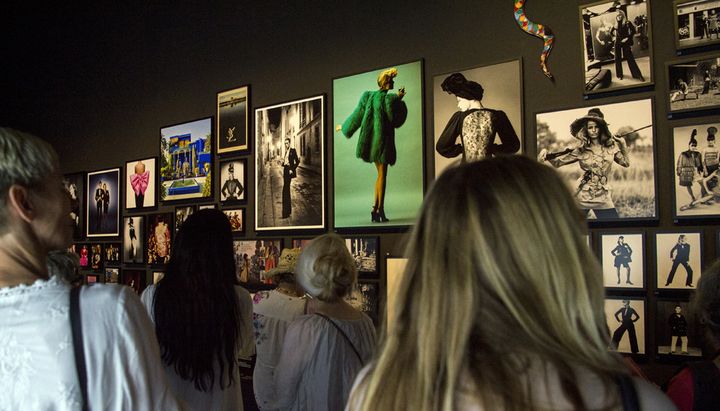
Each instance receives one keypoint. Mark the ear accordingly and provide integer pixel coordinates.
(19, 201)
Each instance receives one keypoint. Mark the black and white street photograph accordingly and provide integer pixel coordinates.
(693, 84)
(617, 49)
(625, 318)
(623, 260)
(697, 23)
(290, 165)
(679, 260)
(696, 162)
(233, 177)
(606, 155)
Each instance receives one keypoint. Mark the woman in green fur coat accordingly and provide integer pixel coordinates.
(377, 115)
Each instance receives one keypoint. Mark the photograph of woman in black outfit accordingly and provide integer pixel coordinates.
(624, 32)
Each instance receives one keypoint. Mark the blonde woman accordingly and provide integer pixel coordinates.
(484, 326)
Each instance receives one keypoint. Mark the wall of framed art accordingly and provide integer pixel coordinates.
(114, 88)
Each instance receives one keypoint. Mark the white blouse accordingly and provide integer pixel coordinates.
(231, 397)
(37, 362)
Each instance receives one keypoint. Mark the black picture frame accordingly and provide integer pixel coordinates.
(669, 329)
(233, 120)
(75, 185)
(621, 331)
(158, 238)
(687, 14)
(698, 74)
(620, 270)
(147, 180)
(102, 207)
(236, 216)
(180, 145)
(232, 181)
(254, 254)
(182, 212)
(665, 247)
(111, 254)
(133, 240)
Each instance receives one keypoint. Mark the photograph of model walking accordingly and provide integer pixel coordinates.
(679, 260)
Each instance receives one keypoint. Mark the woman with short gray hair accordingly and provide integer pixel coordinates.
(323, 352)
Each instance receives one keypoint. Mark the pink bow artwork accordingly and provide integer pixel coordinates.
(139, 182)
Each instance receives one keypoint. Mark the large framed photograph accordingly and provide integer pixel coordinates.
(233, 126)
(364, 251)
(697, 182)
(75, 186)
(364, 296)
(103, 203)
(679, 260)
(140, 183)
(697, 23)
(159, 238)
(290, 165)
(253, 257)
(606, 155)
(186, 160)
(233, 178)
(477, 113)
(617, 45)
(625, 318)
(693, 84)
(623, 260)
(133, 240)
(677, 330)
(378, 147)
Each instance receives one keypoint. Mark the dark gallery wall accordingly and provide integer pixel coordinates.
(99, 81)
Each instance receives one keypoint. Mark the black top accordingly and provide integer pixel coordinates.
(447, 147)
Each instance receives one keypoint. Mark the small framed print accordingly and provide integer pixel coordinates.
(75, 186)
(233, 126)
(112, 275)
(692, 84)
(364, 296)
(83, 251)
(186, 160)
(697, 179)
(623, 260)
(133, 240)
(92, 279)
(625, 318)
(112, 254)
(96, 256)
(103, 205)
(158, 238)
(233, 177)
(394, 269)
(253, 257)
(134, 279)
(677, 331)
(697, 23)
(617, 45)
(237, 219)
(181, 214)
(140, 184)
(679, 260)
(364, 251)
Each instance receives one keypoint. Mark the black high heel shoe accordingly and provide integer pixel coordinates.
(374, 217)
(381, 216)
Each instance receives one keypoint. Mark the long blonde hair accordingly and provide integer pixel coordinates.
(499, 276)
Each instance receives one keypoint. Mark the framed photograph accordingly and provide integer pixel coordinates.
(477, 113)
(134, 279)
(678, 253)
(181, 214)
(96, 256)
(607, 157)
(233, 177)
(697, 23)
(233, 126)
(159, 238)
(75, 186)
(140, 183)
(617, 45)
(112, 275)
(290, 165)
(622, 256)
(365, 253)
(157, 276)
(301, 242)
(112, 254)
(83, 251)
(133, 240)
(625, 318)
(103, 205)
(380, 172)
(253, 257)
(364, 296)
(677, 330)
(394, 269)
(92, 279)
(693, 84)
(697, 183)
(186, 160)
(237, 219)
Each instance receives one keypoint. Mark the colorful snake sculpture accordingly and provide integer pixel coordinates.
(537, 30)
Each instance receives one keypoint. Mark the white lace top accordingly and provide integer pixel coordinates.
(37, 363)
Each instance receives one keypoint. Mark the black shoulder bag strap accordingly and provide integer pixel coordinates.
(628, 393)
(79, 349)
(362, 363)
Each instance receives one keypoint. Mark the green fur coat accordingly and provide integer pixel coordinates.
(377, 115)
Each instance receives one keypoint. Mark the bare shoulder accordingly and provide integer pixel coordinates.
(651, 398)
